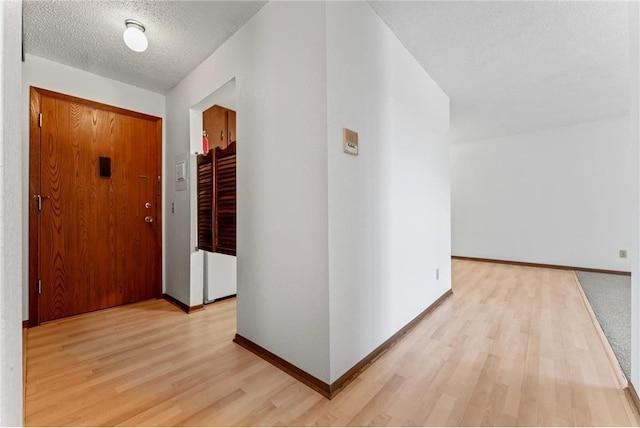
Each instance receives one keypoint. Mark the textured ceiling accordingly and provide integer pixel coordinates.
(514, 66)
(508, 66)
(88, 35)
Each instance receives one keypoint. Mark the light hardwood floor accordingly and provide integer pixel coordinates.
(512, 346)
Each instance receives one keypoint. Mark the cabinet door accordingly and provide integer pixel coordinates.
(231, 126)
(214, 121)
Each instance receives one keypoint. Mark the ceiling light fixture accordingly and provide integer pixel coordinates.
(134, 36)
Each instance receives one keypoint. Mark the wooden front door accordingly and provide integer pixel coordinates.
(95, 212)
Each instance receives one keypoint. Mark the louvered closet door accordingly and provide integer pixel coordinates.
(205, 201)
(225, 200)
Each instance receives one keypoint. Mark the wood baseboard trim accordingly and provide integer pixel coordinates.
(179, 304)
(613, 360)
(304, 377)
(25, 324)
(363, 364)
(542, 265)
(631, 392)
(330, 391)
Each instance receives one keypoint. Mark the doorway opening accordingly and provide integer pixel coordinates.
(213, 140)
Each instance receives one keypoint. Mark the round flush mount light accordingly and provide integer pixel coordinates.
(134, 36)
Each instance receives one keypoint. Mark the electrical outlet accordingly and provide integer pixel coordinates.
(437, 273)
(623, 254)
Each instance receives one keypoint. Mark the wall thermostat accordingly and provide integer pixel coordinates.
(350, 141)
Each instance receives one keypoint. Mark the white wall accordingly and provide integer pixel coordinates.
(57, 77)
(634, 196)
(279, 62)
(389, 207)
(11, 189)
(558, 196)
(383, 215)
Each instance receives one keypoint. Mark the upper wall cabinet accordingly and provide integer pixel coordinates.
(231, 126)
(220, 124)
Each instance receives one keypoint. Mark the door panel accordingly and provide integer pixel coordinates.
(214, 121)
(231, 126)
(96, 250)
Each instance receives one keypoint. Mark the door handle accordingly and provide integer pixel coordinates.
(148, 219)
(39, 199)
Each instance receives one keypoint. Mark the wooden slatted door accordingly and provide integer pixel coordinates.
(205, 201)
(98, 226)
(217, 200)
(225, 200)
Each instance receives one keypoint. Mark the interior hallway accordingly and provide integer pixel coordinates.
(512, 346)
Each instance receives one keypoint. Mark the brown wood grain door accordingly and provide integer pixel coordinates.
(231, 127)
(220, 124)
(99, 238)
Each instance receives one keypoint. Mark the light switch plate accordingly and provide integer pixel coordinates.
(182, 171)
(350, 141)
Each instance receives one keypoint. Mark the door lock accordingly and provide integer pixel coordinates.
(148, 219)
(147, 205)
(39, 199)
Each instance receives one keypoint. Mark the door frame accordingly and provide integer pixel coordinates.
(35, 101)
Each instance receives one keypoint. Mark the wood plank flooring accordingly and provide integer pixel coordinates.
(513, 346)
